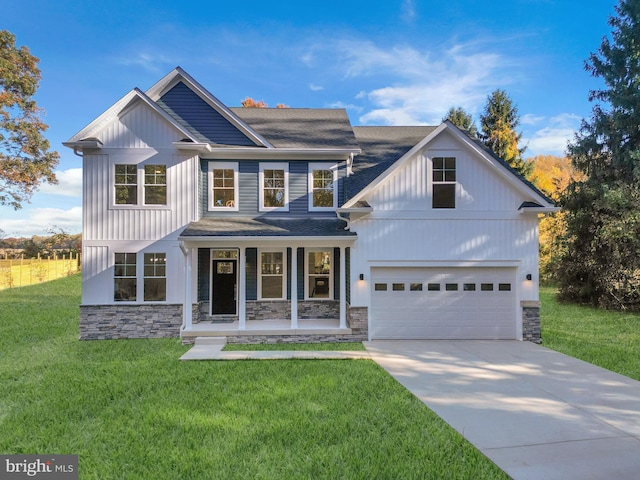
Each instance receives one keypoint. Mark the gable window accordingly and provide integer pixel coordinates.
(319, 274)
(223, 186)
(124, 277)
(274, 186)
(155, 277)
(126, 184)
(155, 184)
(137, 185)
(444, 182)
(272, 276)
(322, 186)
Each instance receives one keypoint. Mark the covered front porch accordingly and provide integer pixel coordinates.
(272, 279)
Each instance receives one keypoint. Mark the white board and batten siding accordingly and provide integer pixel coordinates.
(139, 136)
(483, 237)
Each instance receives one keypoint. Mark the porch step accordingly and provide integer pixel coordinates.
(211, 341)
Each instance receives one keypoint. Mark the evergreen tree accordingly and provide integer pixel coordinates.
(498, 123)
(601, 265)
(462, 119)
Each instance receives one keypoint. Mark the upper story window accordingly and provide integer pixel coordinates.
(322, 186)
(444, 182)
(223, 186)
(126, 185)
(155, 184)
(140, 186)
(274, 186)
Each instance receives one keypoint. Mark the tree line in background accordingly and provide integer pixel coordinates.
(591, 249)
(58, 242)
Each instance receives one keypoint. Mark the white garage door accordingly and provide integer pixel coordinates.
(443, 303)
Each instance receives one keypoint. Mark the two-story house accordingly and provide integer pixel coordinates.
(291, 224)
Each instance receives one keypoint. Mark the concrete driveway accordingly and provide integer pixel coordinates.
(536, 413)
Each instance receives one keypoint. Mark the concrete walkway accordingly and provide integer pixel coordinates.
(536, 413)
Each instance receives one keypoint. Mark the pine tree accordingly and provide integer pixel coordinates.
(462, 119)
(498, 123)
(601, 265)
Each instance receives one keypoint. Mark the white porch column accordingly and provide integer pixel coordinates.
(343, 288)
(187, 307)
(242, 289)
(294, 287)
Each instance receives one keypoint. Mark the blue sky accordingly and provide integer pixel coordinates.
(394, 62)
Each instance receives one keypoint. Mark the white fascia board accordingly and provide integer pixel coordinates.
(396, 165)
(177, 75)
(115, 111)
(257, 153)
(538, 210)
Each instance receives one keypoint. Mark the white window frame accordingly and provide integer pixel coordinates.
(140, 179)
(333, 167)
(156, 275)
(444, 181)
(223, 166)
(284, 272)
(308, 274)
(273, 166)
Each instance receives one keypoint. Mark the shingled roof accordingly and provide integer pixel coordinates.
(301, 127)
(381, 147)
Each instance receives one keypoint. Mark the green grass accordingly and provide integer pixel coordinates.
(327, 346)
(131, 410)
(605, 338)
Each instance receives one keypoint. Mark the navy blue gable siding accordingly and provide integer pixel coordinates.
(204, 263)
(252, 273)
(191, 111)
(298, 188)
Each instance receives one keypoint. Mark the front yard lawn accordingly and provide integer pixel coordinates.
(131, 410)
(605, 338)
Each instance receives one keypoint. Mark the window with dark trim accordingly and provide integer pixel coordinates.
(451, 287)
(398, 287)
(380, 287)
(504, 287)
(444, 182)
(486, 287)
(415, 287)
(433, 287)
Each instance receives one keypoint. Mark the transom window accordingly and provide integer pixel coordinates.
(322, 183)
(272, 275)
(444, 182)
(147, 188)
(124, 277)
(155, 277)
(319, 274)
(274, 187)
(223, 181)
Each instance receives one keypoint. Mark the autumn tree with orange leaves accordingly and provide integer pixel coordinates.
(249, 102)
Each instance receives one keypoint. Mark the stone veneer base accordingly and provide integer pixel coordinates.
(112, 322)
(531, 321)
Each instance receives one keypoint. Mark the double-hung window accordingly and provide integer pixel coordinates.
(139, 185)
(125, 278)
(319, 274)
(444, 182)
(223, 186)
(272, 275)
(274, 187)
(155, 277)
(322, 186)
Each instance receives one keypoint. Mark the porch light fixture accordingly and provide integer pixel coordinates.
(362, 276)
(529, 277)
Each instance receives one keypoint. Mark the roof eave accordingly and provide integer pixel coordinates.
(257, 153)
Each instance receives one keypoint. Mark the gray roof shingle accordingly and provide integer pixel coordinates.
(267, 227)
(301, 127)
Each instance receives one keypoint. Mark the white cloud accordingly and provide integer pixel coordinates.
(553, 137)
(69, 183)
(315, 88)
(425, 85)
(36, 221)
(408, 9)
(154, 63)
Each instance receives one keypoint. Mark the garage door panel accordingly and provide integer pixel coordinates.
(451, 303)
